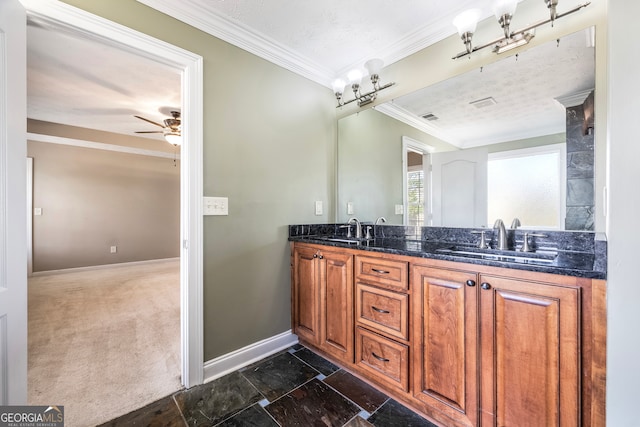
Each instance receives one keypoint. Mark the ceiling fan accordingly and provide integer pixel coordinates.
(171, 129)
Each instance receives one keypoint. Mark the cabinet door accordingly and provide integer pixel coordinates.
(530, 356)
(306, 276)
(336, 296)
(445, 329)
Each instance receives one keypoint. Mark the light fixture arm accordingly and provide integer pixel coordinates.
(373, 66)
(523, 32)
(364, 98)
(551, 4)
(505, 22)
(466, 39)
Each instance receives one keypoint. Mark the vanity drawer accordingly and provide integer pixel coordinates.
(385, 272)
(386, 360)
(383, 310)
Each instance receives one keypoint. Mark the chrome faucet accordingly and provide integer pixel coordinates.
(501, 238)
(515, 223)
(380, 219)
(358, 227)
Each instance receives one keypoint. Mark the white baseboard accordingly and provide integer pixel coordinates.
(220, 366)
(103, 266)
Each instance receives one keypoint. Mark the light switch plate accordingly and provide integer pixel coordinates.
(318, 207)
(350, 208)
(37, 211)
(216, 206)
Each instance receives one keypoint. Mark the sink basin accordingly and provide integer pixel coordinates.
(506, 256)
(351, 241)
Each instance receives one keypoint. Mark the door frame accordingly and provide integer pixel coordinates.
(190, 66)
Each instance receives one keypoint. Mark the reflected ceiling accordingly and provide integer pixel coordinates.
(520, 96)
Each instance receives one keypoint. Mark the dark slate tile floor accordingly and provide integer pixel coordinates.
(296, 387)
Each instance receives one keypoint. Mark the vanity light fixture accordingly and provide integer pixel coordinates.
(504, 10)
(373, 67)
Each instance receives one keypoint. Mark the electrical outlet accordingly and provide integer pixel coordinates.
(37, 211)
(114, 249)
(399, 209)
(318, 207)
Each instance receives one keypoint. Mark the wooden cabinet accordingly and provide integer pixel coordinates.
(382, 320)
(385, 360)
(323, 299)
(465, 344)
(445, 338)
(530, 353)
(493, 350)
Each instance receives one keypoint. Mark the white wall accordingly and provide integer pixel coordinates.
(623, 347)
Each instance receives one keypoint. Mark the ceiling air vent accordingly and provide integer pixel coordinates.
(484, 102)
(429, 116)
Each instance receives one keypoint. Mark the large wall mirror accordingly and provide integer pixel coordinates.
(512, 139)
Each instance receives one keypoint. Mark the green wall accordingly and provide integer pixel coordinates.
(370, 164)
(269, 146)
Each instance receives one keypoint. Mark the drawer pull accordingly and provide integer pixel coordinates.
(382, 359)
(380, 271)
(379, 310)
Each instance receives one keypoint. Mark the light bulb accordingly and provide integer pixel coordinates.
(338, 86)
(173, 138)
(355, 77)
(467, 21)
(504, 7)
(373, 66)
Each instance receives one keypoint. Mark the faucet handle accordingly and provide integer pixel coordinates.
(525, 245)
(515, 223)
(483, 240)
(348, 227)
(368, 234)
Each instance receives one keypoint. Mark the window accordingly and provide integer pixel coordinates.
(415, 182)
(415, 197)
(529, 184)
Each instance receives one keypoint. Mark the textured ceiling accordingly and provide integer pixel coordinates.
(525, 90)
(85, 82)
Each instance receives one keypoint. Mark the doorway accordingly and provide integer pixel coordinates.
(190, 67)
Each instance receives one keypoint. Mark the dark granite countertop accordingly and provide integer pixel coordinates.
(555, 261)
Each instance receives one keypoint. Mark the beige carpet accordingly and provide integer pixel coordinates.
(104, 342)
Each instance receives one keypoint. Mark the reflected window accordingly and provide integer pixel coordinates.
(415, 193)
(529, 184)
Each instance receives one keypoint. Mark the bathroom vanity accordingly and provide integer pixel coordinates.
(465, 336)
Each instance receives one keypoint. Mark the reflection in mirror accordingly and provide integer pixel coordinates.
(541, 97)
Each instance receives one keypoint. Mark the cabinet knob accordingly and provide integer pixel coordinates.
(320, 256)
(471, 282)
(315, 255)
(485, 286)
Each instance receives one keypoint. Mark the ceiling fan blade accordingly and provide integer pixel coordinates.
(149, 131)
(150, 121)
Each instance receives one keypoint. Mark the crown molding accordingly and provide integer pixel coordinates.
(211, 22)
(574, 99)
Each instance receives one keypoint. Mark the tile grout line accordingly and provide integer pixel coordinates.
(175, 402)
(341, 394)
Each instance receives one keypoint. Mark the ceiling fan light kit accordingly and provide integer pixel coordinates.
(373, 67)
(504, 10)
(171, 129)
